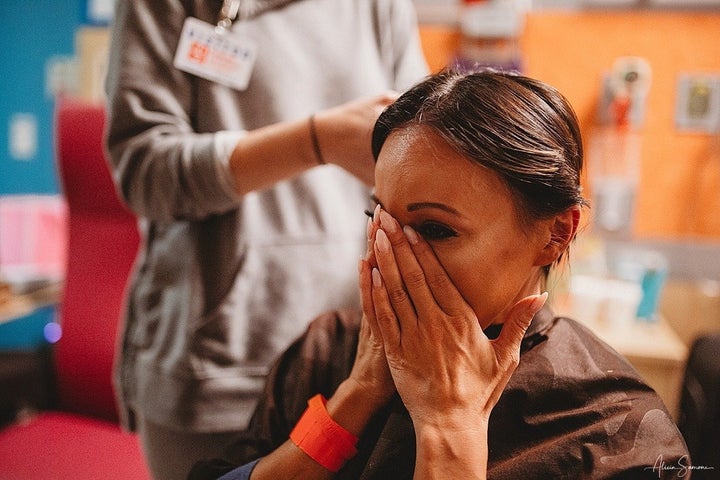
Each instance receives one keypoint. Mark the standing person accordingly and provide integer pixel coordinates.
(239, 133)
(455, 368)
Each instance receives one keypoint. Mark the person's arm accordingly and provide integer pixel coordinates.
(342, 136)
(350, 406)
(367, 388)
(165, 166)
(355, 401)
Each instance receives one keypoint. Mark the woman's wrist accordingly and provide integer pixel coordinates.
(322, 438)
(451, 451)
(352, 406)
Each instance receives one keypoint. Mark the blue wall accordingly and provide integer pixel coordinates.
(33, 31)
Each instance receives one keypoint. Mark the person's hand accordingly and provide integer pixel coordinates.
(448, 373)
(370, 370)
(344, 134)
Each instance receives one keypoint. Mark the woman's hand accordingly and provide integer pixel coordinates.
(369, 384)
(448, 373)
(371, 368)
(344, 133)
(356, 400)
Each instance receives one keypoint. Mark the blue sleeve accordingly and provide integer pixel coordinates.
(240, 473)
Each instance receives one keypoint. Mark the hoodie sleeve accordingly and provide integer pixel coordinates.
(164, 168)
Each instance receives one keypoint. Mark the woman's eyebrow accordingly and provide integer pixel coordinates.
(440, 206)
(421, 205)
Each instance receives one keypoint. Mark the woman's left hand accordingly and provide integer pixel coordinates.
(448, 373)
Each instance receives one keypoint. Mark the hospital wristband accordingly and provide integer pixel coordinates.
(321, 438)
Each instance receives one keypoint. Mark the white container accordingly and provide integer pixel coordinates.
(622, 298)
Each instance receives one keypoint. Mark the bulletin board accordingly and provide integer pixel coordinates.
(679, 193)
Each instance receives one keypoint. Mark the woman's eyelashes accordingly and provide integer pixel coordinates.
(428, 230)
(435, 231)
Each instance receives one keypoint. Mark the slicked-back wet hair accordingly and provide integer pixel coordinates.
(521, 128)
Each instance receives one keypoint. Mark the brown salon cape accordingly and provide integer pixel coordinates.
(574, 408)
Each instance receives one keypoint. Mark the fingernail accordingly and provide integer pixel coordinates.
(382, 242)
(376, 212)
(411, 235)
(369, 228)
(376, 278)
(387, 222)
(539, 302)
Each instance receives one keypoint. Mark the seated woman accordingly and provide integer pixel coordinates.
(455, 368)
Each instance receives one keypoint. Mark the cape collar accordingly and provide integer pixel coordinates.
(535, 333)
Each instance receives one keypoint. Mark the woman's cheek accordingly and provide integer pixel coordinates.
(465, 272)
(476, 281)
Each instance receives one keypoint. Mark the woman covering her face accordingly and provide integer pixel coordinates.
(455, 368)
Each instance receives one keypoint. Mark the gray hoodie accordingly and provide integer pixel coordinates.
(223, 283)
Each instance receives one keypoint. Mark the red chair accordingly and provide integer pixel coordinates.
(81, 438)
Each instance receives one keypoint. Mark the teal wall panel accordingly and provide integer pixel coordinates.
(32, 33)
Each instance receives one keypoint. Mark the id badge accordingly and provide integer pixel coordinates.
(219, 55)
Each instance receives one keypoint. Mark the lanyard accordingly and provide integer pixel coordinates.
(228, 13)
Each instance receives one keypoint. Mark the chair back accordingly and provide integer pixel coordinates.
(102, 245)
(699, 420)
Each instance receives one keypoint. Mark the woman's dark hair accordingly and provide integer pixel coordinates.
(521, 128)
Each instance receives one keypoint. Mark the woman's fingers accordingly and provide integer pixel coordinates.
(364, 271)
(372, 227)
(394, 281)
(424, 278)
(507, 345)
(402, 273)
(370, 369)
(384, 314)
(444, 292)
(365, 268)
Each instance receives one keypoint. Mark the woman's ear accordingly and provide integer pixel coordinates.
(560, 231)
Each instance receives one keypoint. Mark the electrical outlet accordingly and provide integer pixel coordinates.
(697, 107)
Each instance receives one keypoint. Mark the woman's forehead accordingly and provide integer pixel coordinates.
(417, 165)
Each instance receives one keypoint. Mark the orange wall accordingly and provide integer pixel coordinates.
(679, 195)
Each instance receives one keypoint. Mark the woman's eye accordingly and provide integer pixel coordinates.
(435, 231)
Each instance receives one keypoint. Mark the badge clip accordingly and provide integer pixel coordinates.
(228, 13)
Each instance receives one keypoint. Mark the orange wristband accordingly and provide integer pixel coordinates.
(323, 440)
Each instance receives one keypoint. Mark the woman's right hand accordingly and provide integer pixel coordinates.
(370, 371)
(369, 386)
